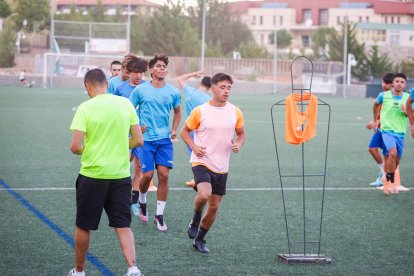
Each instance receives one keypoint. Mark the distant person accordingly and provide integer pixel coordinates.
(116, 68)
(114, 82)
(410, 110)
(214, 124)
(104, 180)
(23, 80)
(156, 99)
(393, 128)
(193, 98)
(376, 141)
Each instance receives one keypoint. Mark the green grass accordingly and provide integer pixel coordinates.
(365, 232)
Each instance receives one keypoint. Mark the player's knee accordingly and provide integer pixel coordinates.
(392, 153)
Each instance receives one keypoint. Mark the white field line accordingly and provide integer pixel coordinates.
(228, 189)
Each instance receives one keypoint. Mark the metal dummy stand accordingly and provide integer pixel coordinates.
(302, 257)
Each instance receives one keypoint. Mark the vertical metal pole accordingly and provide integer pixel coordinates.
(345, 55)
(129, 27)
(203, 35)
(275, 54)
(52, 25)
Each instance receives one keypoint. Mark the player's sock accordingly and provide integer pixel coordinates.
(142, 198)
(160, 207)
(197, 217)
(390, 177)
(381, 166)
(135, 195)
(201, 234)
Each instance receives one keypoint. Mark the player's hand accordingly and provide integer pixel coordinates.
(371, 125)
(403, 109)
(200, 73)
(235, 147)
(173, 134)
(412, 130)
(143, 129)
(199, 151)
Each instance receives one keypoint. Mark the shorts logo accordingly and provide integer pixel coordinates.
(171, 162)
(143, 166)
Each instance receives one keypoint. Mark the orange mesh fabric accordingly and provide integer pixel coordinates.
(300, 126)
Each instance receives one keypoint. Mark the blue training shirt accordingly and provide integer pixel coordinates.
(125, 89)
(155, 105)
(194, 98)
(113, 83)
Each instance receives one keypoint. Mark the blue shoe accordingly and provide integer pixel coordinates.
(135, 209)
(378, 182)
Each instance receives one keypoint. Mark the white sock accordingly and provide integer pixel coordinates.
(160, 207)
(381, 166)
(132, 269)
(142, 198)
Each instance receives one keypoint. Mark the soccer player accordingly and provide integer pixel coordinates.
(136, 68)
(193, 98)
(116, 68)
(114, 82)
(410, 110)
(214, 124)
(23, 80)
(156, 99)
(104, 180)
(393, 127)
(376, 141)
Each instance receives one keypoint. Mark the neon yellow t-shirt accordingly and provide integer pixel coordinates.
(106, 120)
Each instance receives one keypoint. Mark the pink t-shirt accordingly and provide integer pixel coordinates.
(214, 128)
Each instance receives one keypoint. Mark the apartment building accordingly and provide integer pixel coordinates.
(378, 22)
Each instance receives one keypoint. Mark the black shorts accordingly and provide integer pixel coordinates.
(93, 195)
(217, 180)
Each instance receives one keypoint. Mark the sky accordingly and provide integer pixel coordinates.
(189, 2)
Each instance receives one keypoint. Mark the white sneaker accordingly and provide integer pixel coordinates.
(134, 272)
(73, 272)
(159, 221)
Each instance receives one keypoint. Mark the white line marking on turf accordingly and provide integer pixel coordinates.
(228, 189)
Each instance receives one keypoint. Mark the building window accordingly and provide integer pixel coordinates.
(359, 18)
(274, 20)
(307, 14)
(367, 19)
(261, 40)
(254, 20)
(338, 20)
(261, 20)
(386, 19)
(398, 20)
(305, 41)
(280, 20)
(323, 17)
(394, 37)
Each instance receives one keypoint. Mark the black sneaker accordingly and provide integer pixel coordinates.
(159, 221)
(192, 230)
(200, 246)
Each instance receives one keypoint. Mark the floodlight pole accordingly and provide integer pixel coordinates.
(345, 55)
(275, 54)
(203, 35)
(52, 26)
(129, 27)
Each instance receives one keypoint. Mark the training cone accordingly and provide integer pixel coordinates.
(152, 187)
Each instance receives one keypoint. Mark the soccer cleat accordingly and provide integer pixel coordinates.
(377, 182)
(192, 230)
(73, 272)
(142, 212)
(159, 221)
(200, 246)
(190, 183)
(135, 209)
(135, 272)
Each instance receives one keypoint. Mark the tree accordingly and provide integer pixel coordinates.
(5, 10)
(407, 67)
(98, 12)
(378, 63)
(36, 12)
(320, 42)
(169, 31)
(336, 51)
(250, 49)
(7, 39)
(284, 38)
(220, 27)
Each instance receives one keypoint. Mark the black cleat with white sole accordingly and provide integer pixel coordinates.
(200, 246)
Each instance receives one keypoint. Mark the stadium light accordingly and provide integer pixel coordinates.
(203, 35)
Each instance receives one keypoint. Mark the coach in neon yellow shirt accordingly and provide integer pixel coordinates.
(100, 134)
